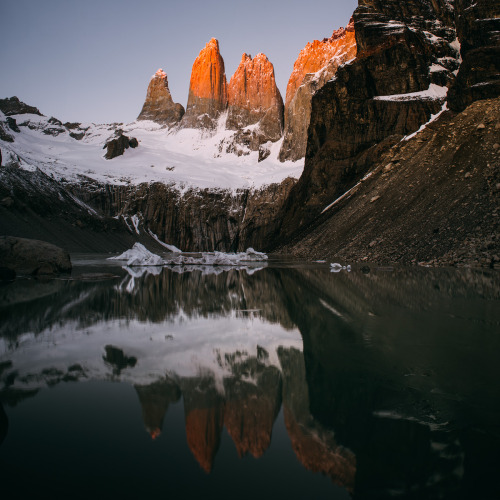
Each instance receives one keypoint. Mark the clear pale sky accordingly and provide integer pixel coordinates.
(92, 60)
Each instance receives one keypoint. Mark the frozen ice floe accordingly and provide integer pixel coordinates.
(139, 255)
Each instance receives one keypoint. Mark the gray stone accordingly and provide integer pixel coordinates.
(33, 256)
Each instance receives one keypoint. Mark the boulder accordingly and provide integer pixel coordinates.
(33, 256)
(117, 146)
(11, 122)
(207, 89)
(159, 105)
(254, 98)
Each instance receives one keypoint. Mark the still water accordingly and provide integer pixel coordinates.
(287, 381)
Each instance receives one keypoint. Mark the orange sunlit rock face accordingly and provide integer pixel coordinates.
(315, 55)
(207, 88)
(317, 455)
(159, 105)
(203, 432)
(317, 64)
(249, 421)
(253, 96)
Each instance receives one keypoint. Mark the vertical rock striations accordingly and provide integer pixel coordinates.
(159, 105)
(254, 98)
(406, 56)
(317, 63)
(478, 30)
(207, 89)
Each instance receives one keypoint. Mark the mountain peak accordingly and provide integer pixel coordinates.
(253, 96)
(316, 64)
(160, 74)
(159, 105)
(207, 88)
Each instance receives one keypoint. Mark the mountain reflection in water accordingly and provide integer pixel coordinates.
(385, 382)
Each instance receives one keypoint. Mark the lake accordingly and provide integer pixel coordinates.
(283, 380)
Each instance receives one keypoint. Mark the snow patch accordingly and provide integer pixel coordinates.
(432, 118)
(136, 221)
(171, 248)
(139, 255)
(182, 158)
(434, 92)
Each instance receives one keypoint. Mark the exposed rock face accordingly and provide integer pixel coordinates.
(254, 98)
(251, 409)
(199, 220)
(478, 28)
(317, 63)
(204, 417)
(35, 206)
(13, 106)
(207, 89)
(401, 45)
(314, 445)
(117, 146)
(155, 400)
(33, 256)
(159, 105)
(431, 199)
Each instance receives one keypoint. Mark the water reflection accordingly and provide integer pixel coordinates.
(388, 382)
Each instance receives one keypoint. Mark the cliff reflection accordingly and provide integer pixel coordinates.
(247, 406)
(387, 381)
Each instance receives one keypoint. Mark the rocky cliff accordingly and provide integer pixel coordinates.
(406, 56)
(478, 29)
(317, 64)
(433, 199)
(13, 106)
(254, 99)
(207, 89)
(197, 220)
(159, 105)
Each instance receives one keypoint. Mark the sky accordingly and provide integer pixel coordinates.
(91, 61)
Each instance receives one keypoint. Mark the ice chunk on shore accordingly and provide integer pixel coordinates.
(335, 267)
(219, 258)
(139, 255)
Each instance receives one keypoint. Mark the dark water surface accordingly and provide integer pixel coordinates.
(283, 382)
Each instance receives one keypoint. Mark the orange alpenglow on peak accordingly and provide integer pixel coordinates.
(253, 85)
(159, 105)
(203, 433)
(315, 56)
(160, 74)
(254, 97)
(207, 88)
(317, 63)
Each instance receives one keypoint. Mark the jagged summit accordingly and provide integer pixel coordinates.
(253, 97)
(315, 55)
(207, 88)
(316, 64)
(159, 105)
(13, 106)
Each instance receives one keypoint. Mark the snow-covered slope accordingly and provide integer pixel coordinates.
(186, 158)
